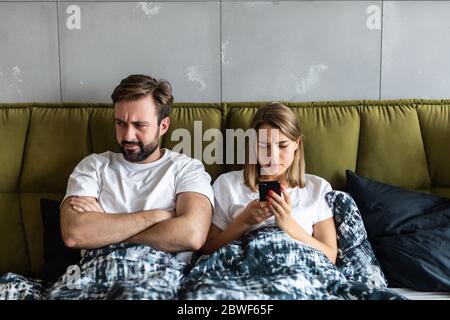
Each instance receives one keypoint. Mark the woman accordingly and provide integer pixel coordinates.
(301, 211)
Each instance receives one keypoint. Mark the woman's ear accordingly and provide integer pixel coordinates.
(297, 143)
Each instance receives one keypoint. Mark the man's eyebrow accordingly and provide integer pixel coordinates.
(133, 122)
(140, 122)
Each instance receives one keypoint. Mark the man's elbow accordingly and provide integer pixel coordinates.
(196, 242)
(72, 238)
(69, 226)
(197, 231)
(196, 239)
(70, 241)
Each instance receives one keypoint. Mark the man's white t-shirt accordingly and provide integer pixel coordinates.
(308, 204)
(121, 186)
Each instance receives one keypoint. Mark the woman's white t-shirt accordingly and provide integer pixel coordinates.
(309, 206)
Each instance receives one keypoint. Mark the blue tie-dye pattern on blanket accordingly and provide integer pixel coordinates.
(268, 264)
(265, 264)
(122, 271)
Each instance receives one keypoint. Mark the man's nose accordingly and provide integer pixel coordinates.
(130, 134)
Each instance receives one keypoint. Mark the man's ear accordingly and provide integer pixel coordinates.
(164, 126)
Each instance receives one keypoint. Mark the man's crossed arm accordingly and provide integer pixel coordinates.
(85, 225)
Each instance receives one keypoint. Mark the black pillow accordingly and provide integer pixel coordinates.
(57, 256)
(408, 231)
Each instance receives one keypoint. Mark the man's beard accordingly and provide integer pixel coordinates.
(143, 153)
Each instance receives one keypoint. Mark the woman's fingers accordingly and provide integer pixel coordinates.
(261, 212)
(266, 212)
(275, 212)
(263, 204)
(277, 207)
(279, 200)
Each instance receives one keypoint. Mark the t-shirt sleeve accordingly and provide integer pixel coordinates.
(84, 180)
(323, 209)
(194, 178)
(220, 216)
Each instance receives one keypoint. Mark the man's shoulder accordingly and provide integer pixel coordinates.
(98, 159)
(182, 159)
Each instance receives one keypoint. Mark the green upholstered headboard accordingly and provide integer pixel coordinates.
(402, 142)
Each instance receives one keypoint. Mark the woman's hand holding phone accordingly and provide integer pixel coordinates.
(281, 208)
(255, 212)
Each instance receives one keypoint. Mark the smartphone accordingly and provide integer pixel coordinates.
(265, 186)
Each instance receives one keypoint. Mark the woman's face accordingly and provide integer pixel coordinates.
(275, 151)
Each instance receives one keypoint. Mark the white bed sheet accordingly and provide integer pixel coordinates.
(421, 295)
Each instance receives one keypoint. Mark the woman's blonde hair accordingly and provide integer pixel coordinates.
(278, 116)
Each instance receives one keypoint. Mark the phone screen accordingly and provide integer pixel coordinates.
(265, 186)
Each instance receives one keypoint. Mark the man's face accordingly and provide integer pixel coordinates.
(137, 129)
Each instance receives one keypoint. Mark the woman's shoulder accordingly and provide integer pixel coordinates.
(317, 183)
(227, 187)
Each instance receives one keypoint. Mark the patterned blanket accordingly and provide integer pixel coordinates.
(122, 271)
(268, 264)
(265, 264)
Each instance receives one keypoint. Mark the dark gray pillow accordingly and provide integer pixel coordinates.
(57, 256)
(408, 231)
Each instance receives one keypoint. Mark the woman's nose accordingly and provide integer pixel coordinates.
(274, 153)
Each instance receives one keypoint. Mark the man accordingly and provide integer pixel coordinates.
(158, 197)
(146, 203)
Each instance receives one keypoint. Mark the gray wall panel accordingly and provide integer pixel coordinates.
(29, 68)
(103, 1)
(28, 1)
(299, 51)
(226, 50)
(416, 49)
(178, 41)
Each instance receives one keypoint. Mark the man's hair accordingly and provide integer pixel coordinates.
(136, 86)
